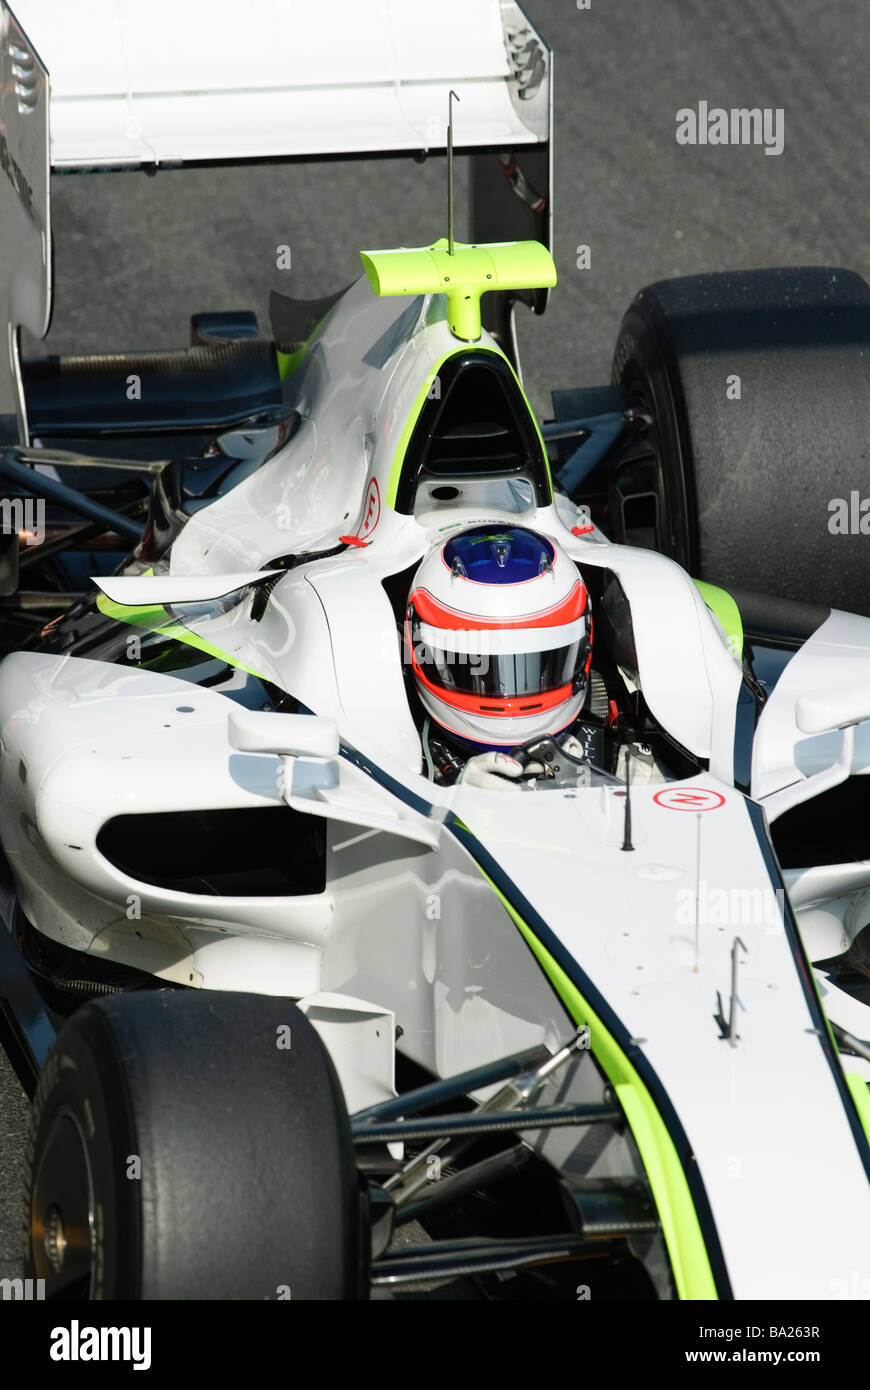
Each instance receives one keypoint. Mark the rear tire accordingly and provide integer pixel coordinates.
(178, 1152)
(744, 485)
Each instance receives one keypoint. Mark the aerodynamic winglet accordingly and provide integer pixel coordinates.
(134, 591)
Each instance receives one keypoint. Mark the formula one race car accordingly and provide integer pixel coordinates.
(413, 874)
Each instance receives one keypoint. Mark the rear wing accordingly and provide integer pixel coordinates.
(115, 85)
(181, 81)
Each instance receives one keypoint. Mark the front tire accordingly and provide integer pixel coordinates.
(178, 1152)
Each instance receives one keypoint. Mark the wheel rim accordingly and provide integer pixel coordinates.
(63, 1224)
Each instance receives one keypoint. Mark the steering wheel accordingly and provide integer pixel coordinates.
(542, 757)
(547, 761)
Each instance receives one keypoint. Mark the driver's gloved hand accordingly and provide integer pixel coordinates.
(644, 768)
(495, 771)
(573, 747)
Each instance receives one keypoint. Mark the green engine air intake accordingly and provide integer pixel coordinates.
(463, 276)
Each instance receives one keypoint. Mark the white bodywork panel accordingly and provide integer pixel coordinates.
(84, 741)
(133, 590)
(354, 391)
(745, 1109)
(836, 655)
(361, 1038)
(689, 678)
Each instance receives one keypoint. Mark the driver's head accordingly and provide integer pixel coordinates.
(499, 633)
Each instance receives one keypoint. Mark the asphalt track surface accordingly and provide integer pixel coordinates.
(135, 256)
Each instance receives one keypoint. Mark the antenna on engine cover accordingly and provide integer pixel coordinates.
(450, 171)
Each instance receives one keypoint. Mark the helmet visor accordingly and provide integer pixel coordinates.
(503, 664)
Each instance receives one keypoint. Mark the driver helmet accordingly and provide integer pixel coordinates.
(498, 632)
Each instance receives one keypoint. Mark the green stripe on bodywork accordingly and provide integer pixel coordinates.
(534, 420)
(861, 1096)
(289, 361)
(408, 428)
(680, 1227)
(155, 618)
(725, 609)
(414, 415)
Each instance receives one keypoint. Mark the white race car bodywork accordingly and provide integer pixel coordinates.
(408, 922)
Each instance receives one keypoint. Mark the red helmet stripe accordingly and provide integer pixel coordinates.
(568, 610)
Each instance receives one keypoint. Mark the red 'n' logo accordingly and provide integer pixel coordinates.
(689, 799)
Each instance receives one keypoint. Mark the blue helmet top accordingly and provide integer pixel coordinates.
(499, 554)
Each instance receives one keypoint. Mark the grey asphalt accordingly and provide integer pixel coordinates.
(135, 256)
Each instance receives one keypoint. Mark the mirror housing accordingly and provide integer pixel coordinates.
(821, 711)
(285, 735)
(315, 779)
